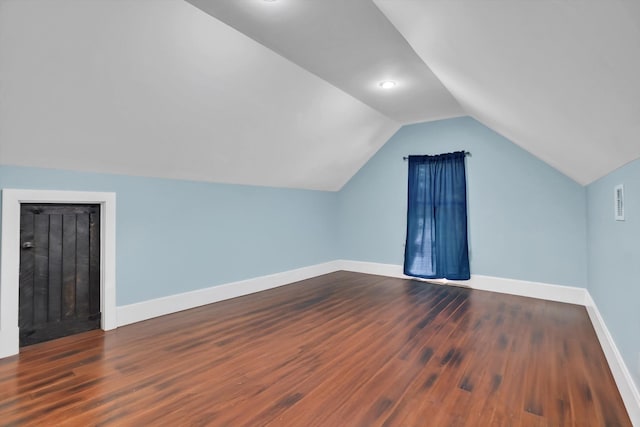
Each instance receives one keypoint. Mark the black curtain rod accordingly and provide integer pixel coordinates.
(466, 153)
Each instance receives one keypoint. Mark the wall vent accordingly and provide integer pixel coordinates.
(618, 193)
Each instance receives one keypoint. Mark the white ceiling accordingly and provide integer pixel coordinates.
(350, 44)
(559, 78)
(159, 88)
(285, 93)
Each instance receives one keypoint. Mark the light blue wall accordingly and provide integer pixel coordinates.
(527, 221)
(614, 260)
(176, 236)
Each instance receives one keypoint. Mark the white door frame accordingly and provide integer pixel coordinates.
(10, 256)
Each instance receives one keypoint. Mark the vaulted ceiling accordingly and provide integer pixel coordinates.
(286, 93)
(559, 78)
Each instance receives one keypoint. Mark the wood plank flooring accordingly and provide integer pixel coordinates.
(344, 349)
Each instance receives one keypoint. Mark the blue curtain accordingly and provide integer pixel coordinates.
(436, 246)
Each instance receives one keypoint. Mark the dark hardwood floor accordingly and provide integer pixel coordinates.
(344, 349)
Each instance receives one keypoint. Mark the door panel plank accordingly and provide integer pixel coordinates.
(41, 269)
(68, 265)
(82, 265)
(55, 267)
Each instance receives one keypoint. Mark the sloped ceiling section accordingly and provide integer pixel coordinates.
(159, 88)
(348, 43)
(560, 78)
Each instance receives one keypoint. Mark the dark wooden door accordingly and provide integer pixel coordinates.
(59, 271)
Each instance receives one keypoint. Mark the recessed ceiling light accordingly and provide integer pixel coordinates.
(387, 84)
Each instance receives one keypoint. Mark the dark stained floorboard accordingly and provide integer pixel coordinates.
(344, 349)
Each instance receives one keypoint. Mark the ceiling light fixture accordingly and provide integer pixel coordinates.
(387, 84)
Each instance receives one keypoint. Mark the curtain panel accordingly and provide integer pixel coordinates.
(437, 245)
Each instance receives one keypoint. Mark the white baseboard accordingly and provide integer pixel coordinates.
(626, 385)
(144, 310)
(377, 268)
(170, 304)
(546, 291)
(624, 381)
(568, 294)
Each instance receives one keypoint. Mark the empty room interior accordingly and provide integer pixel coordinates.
(320, 213)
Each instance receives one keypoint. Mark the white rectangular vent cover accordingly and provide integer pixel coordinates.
(619, 202)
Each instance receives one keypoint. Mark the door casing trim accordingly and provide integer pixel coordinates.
(10, 256)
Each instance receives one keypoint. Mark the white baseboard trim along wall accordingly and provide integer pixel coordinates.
(624, 381)
(545, 291)
(144, 310)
